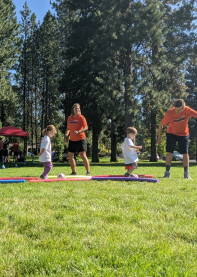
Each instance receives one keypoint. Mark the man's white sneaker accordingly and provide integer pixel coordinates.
(187, 175)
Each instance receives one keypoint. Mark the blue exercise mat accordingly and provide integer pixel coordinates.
(12, 181)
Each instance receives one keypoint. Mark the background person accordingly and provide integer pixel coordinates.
(15, 150)
(45, 153)
(177, 120)
(129, 152)
(76, 126)
(6, 149)
(1, 149)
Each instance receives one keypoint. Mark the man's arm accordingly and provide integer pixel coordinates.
(192, 113)
(159, 133)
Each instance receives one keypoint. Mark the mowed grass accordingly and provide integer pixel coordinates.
(99, 228)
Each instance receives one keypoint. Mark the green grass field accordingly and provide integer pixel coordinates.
(99, 228)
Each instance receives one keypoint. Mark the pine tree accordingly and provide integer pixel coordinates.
(50, 70)
(9, 50)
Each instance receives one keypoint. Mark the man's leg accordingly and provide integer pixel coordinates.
(186, 160)
(183, 147)
(170, 145)
(168, 159)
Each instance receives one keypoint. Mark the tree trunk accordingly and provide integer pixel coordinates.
(127, 94)
(95, 136)
(24, 96)
(46, 103)
(42, 118)
(2, 115)
(32, 132)
(196, 144)
(88, 150)
(113, 143)
(35, 120)
(153, 157)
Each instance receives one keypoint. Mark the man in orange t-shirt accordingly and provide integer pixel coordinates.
(76, 126)
(177, 120)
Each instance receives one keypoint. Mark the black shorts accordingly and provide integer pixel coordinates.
(77, 146)
(16, 153)
(183, 142)
(6, 152)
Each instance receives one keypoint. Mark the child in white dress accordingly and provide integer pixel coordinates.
(45, 150)
(129, 152)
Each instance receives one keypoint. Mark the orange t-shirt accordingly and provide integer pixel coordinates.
(178, 122)
(76, 124)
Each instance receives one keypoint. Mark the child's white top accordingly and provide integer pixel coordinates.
(46, 155)
(130, 154)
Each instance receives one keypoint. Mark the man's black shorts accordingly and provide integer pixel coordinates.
(183, 142)
(77, 146)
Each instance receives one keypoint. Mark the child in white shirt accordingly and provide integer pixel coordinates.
(129, 152)
(45, 150)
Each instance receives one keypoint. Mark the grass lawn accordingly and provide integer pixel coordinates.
(99, 228)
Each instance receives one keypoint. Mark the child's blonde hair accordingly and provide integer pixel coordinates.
(49, 128)
(131, 130)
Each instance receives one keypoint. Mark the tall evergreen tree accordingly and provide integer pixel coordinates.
(9, 50)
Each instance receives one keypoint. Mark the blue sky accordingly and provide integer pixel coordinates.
(39, 7)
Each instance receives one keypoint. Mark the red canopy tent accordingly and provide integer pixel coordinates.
(11, 131)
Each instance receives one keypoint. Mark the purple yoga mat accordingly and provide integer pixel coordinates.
(126, 179)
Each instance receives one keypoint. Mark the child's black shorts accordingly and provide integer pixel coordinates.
(183, 142)
(77, 146)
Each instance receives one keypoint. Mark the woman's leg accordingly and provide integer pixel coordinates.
(85, 160)
(72, 161)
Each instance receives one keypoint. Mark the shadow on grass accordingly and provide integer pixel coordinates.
(102, 163)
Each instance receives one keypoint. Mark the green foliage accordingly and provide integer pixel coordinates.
(9, 45)
(58, 144)
(192, 148)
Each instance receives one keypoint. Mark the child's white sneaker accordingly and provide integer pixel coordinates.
(134, 175)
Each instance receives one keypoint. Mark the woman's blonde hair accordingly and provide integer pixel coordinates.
(72, 109)
(49, 128)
